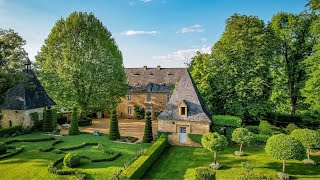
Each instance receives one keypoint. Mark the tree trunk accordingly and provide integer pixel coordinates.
(308, 153)
(284, 166)
(240, 147)
(215, 157)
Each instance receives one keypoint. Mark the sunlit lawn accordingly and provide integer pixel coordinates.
(32, 164)
(179, 162)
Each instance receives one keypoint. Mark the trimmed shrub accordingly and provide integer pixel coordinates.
(229, 131)
(74, 129)
(259, 139)
(309, 138)
(85, 121)
(203, 173)
(30, 140)
(138, 168)
(114, 133)
(228, 121)
(139, 113)
(71, 160)
(47, 121)
(79, 146)
(10, 130)
(265, 128)
(13, 153)
(253, 129)
(195, 137)
(3, 148)
(148, 136)
(54, 118)
(37, 124)
(163, 134)
(290, 128)
(57, 151)
(242, 136)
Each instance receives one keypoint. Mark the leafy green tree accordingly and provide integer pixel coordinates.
(309, 138)
(238, 72)
(12, 56)
(80, 64)
(114, 133)
(74, 128)
(148, 136)
(314, 5)
(285, 147)
(214, 142)
(241, 136)
(294, 42)
(311, 90)
(47, 121)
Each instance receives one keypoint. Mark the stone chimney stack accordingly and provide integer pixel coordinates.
(145, 68)
(159, 67)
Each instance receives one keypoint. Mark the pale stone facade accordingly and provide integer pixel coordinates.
(192, 127)
(156, 103)
(19, 117)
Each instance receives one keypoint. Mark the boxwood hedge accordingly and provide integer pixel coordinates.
(10, 130)
(228, 121)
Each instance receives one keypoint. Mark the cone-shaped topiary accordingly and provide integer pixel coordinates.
(54, 118)
(3, 148)
(74, 129)
(71, 160)
(148, 137)
(114, 128)
(47, 122)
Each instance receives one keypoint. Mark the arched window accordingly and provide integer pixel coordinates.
(10, 123)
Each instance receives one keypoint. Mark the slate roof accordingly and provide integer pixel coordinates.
(25, 97)
(186, 91)
(153, 79)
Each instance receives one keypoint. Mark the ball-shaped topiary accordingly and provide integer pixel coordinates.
(285, 147)
(309, 138)
(3, 148)
(71, 160)
(241, 136)
(291, 127)
(214, 142)
(265, 128)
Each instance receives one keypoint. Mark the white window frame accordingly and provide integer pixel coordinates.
(129, 110)
(129, 97)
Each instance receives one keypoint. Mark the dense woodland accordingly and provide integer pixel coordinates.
(261, 70)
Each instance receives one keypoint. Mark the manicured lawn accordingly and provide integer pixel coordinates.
(178, 163)
(32, 164)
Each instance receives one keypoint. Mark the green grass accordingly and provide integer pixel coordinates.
(179, 163)
(32, 164)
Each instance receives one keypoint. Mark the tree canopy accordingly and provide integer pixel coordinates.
(80, 64)
(241, 136)
(309, 138)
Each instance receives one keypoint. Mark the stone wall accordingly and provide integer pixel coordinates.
(192, 127)
(19, 117)
(158, 103)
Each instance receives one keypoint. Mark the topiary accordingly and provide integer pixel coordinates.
(214, 142)
(285, 147)
(71, 160)
(241, 136)
(114, 127)
(47, 121)
(290, 128)
(203, 173)
(148, 136)
(74, 129)
(265, 128)
(3, 148)
(309, 138)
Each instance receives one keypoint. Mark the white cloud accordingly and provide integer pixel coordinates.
(194, 28)
(133, 33)
(184, 54)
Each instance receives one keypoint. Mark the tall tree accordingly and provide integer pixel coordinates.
(12, 55)
(294, 45)
(80, 64)
(314, 5)
(311, 90)
(238, 71)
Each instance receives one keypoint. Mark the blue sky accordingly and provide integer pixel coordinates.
(148, 32)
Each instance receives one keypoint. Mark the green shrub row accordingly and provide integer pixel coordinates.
(228, 121)
(253, 129)
(229, 130)
(79, 146)
(52, 169)
(13, 153)
(30, 140)
(166, 134)
(51, 147)
(10, 130)
(142, 164)
(111, 157)
(195, 137)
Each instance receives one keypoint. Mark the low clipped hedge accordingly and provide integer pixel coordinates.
(30, 140)
(79, 146)
(13, 153)
(195, 137)
(226, 120)
(162, 133)
(138, 168)
(10, 130)
(85, 121)
(51, 147)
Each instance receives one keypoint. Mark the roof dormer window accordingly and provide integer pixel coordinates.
(183, 109)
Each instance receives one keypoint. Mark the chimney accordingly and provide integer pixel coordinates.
(159, 67)
(145, 68)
